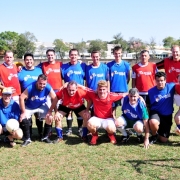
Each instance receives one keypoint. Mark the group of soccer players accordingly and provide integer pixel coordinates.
(39, 90)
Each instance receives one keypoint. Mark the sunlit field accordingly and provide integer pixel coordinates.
(73, 159)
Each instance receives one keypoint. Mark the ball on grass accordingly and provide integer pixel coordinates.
(12, 125)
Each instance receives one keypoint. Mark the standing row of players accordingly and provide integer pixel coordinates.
(116, 72)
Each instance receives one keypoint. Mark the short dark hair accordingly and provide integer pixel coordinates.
(95, 51)
(50, 50)
(28, 54)
(143, 51)
(42, 76)
(117, 48)
(160, 74)
(73, 50)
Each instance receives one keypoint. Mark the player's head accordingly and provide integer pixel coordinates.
(117, 51)
(41, 82)
(95, 55)
(133, 96)
(29, 60)
(175, 52)
(50, 53)
(6, 95)
(144, 55)
(102, 89)
(8, 57)
(160, 78)
(72, 88)
(73, 55)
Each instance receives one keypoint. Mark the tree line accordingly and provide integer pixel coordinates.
(25, 42)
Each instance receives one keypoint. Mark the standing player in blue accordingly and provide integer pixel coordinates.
(9, 109)
(96, 71)
(135, 115)
(73, 71)
(119, 74)
(161, 108)
(33, 100)
(27, 76)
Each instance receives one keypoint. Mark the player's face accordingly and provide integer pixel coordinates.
(95, 57)
(73, 56)
(160, 82)
(144, 57)
(41, 83)
(51, 56)
(117, 55)
(133, 98)
(29, 62)
(102, 92)
(176, 53)
(72, 89)
(8, 58)
(6, 98)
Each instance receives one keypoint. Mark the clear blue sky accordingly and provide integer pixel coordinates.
(74, 20)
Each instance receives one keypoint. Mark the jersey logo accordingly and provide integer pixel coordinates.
(127, 111)
(144, 73)
(52, 70)
(38, 98)
(118, 73)
(11, 76)
(96, 75)
(159, 97)
(30, 77)
(173, 69)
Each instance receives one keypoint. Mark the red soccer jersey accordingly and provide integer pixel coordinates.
(144, 76)
(177, 88)
(9, 78)
(172, 69)
(72, 102)
(103, 107)
(53, 72)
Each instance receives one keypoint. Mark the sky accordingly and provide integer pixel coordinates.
(77, 20)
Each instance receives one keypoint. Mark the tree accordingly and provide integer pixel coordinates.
(41, 50)
(168, 42)
(118, 40)
(98, 45)
(26, 43)
(8, 41)
(152, 45)
(81, 47)
(60, 47)
(136, 45)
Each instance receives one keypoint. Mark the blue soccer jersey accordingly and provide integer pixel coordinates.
(161, 101)
(27, 77)
(36, 97)
(12, 111)
(118, 75)
(95, 74)
(74, 72)
(136, 112)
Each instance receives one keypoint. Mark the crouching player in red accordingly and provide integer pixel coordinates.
(135, 115)
(103, 118)
(72, 100)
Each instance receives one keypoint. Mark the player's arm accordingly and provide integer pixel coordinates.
(22, 98)
(128, 77)
(54, 101)
(133, 79)
(160, 65)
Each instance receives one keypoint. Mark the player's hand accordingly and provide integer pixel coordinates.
(22, 116)
(86, 114)
(58, 116)
(49, 117)
(146, 143)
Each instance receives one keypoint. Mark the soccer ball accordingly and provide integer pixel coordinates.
(12, 125)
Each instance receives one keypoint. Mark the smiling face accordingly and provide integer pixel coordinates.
(176, 53)
(51, 57)
(118, 55)
(73, 56)
(29, 62)
(102, 92)
(40, 84)
(95, 57)
(133, 98)
(144, 58)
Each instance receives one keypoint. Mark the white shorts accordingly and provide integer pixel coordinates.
(101, 123)
(42, 111)
(16, 99)
(48, 102)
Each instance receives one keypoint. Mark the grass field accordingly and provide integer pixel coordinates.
(73, 159)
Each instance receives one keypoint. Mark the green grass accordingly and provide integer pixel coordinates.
(73, 159)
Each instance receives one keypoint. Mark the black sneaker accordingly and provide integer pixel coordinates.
(140, 138)
(26, 143)
(46, 140)
(6, 140)
(153, 139)
(68, 132)
(124, 139)
(57, 140)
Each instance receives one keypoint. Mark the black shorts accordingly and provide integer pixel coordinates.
(165, 123)
(146, 99)
(67, 110)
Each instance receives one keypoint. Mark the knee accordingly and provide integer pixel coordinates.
(119, 122)
(1, 129)
(91, 125)
(153, 122)
(111, 129)
(18, 134)
(138, 128)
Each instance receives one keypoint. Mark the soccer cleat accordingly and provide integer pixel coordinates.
(85, 139)
(68, 132)
(58, 140)
(112, 138)
(153, 139)
(94, 139)
(26, 143)
(140, 138)
(46, 140)
(124, 139)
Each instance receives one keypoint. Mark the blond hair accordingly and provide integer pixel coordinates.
(102, 83)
